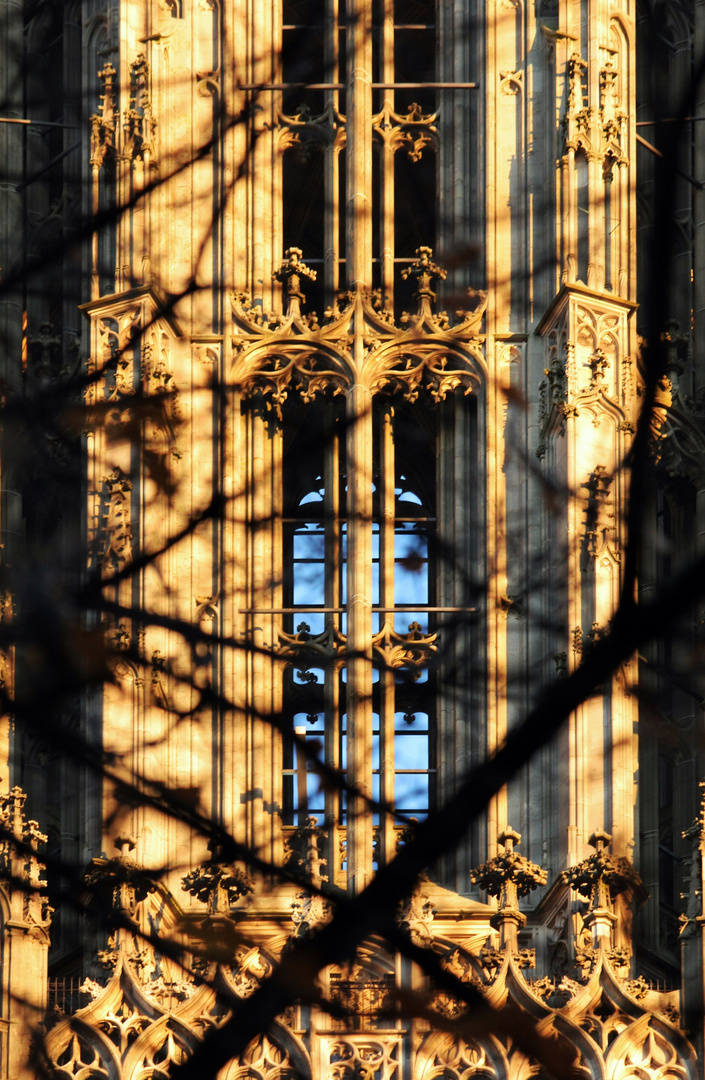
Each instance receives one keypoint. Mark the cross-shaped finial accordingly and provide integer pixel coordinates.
(290, 274)
(425, 270)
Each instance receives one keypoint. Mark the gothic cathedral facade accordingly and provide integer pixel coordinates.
(353, 306)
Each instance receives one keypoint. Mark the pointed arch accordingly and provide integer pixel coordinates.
(449, 1057)
(278, 1055)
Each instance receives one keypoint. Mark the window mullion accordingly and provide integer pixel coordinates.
(331, 226)
(359, 630)
(387, 162)
(332, 510)
(359, 143)
(386, 577)
(333, 560)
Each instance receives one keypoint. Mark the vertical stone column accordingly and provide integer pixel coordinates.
(590, 414)
(387, 474)
(386, 253)
(587, 403)
(359, 144)
(331, 162)
(596, 184)
(359, 445)
(234, 622)
(359, 626)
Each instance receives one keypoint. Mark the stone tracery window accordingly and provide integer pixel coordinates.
(362, 502)
(348, 590)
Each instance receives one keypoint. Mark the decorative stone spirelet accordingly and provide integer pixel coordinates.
(508, 876)
(290, 274)
(600, 879)
(425, 270)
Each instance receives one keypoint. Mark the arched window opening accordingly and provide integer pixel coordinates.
(304, 57)
(315, 549)
(316, 205)
(305, 210)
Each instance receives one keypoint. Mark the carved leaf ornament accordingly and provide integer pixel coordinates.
(509, 866)
(601, 873)
(211, 877)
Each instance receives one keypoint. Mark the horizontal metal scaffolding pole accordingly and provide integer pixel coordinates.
(37, 123)
(402, 609)
(669, 120)
(375, 86)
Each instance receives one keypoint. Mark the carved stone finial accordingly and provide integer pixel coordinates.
(312, 859)
(508, 838)
(576, 69)
(138, 125)
(120, 880)
(600, 840)
(600, 879)
(290, 274)
(415, 916)
(45, 359)
(608, 91)
(311, 909)
(663, 400)
(122, 842)
(217, 883)
(508, 876)
(676, 346)
(599, 365)
(309, 912)
(103, 122)
(425, 270)
(13, 810)
(116, 521)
